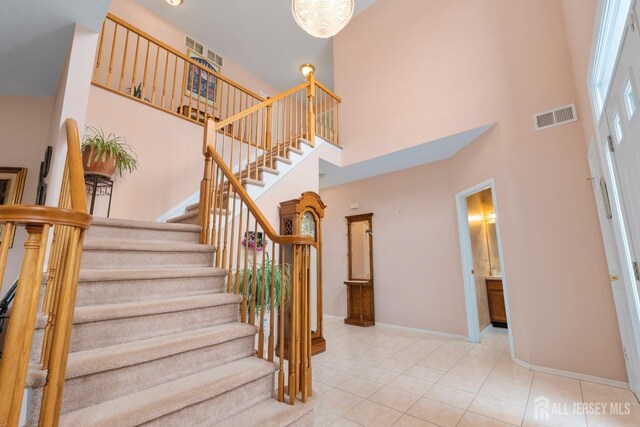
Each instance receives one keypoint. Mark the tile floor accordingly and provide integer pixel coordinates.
(388, 377)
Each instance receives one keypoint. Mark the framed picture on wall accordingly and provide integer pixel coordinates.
(11, 189)
(201, 84)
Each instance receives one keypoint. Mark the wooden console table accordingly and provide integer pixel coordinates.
(360, 307)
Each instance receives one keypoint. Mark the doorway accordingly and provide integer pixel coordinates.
(620, 163)
(485, 286)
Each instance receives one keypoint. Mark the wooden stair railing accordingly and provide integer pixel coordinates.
(69, 221)
(137, 65)
(270, 271)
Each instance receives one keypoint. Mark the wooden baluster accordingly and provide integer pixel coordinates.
(240, 245)
(254, 279)
(96, 74)
(124, 60)
(144, 75)
(291, 141)
(173, 86)
(245, 279)
(7, 234)
(219, 210)
(197, 71)
(205, 186)
(293, 328)
(272, 301)
(15, 360)
(232, 237)
(52, 394)
(281, 337)
(113, 49)
(164, 79)
(263, 291)
(304, 325)
(155, 76)
(135, 68)
(311, 115)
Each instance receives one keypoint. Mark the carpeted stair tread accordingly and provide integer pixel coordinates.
(269, 413)
(128, 223)
(144, 246)
(146, 405)
(283, 159)
(97, 313)
(113, 357)
(146, 274)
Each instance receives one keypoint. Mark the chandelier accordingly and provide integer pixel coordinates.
(322, 18)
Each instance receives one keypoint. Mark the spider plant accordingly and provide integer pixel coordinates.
(243, 278)
(102, 146)
(137, 92)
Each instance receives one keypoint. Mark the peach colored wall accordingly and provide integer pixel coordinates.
(416, 260)
(579, 19)
(516, 62)
(24, 127)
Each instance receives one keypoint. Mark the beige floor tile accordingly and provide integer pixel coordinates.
(410, 384)
(425, 373)
(440, 360)
(394, 398)
(470, 383)
(359, 386)
(612, 421)
(323, 417)
(319, 388)
(338, 401)
(409, 421)
(329, 376)
(436, 412)
(379, 375)
(343, 422)
(450, 396)
(510, 414)
(474, 420)
(395, 365)
(556, 388)
(505, 392)
(371, 414)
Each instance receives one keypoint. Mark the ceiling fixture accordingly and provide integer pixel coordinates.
(307, 69)
(322, 18)
(174, 2)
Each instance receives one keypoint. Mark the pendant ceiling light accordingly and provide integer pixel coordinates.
(322, 18)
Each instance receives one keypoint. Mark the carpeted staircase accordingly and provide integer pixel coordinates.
(156, 340)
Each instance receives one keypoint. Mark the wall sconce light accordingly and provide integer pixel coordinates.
(174, 2)
(307, 69)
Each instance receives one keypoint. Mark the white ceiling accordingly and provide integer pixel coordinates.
(260, 35)
(34, 36)
(440, 149)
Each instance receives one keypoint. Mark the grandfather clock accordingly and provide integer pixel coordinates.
(303, 216)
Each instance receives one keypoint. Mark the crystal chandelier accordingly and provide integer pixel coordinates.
(322, 18)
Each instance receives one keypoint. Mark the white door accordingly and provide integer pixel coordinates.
(621, 130)
(605, 212)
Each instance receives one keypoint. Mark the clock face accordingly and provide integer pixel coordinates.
(308, 225)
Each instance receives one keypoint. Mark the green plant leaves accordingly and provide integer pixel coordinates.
(102, 146)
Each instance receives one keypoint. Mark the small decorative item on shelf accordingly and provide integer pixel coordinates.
(250, 241)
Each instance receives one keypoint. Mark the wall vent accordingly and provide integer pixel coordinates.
(215, 58)
(557, 117)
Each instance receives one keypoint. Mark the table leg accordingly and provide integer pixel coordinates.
(93, 196)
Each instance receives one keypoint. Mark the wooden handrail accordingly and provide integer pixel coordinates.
(263, 104)
(32, 215)
(177, 53)
(76, 170)
(251, 206)
(329, 91)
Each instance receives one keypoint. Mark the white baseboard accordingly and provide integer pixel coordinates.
(407, 328)
(575, 375)
(486, 330)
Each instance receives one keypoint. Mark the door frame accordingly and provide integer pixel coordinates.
(470, 295)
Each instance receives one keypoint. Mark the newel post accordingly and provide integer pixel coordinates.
(204, 207)
(15, 360)
(311, 114)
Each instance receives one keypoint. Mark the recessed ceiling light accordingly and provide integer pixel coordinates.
(174, 2)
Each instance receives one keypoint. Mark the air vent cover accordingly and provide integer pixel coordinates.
(557, 117)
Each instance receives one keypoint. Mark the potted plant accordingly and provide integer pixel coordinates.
(104, 154)
(243, 279)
